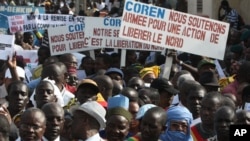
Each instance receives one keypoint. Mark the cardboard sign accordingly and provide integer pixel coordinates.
(6, 11)
(106, 32)
(172, 29)
(6, 46)
(28, 22)
(69, 39)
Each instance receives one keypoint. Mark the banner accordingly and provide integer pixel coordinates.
(28, 22)
(104, 32)
(6, 11)
(69, 39)
(6, 45)
(175, 30)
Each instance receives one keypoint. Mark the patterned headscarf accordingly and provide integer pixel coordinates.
(154, 69)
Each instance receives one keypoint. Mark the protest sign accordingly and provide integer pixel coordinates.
(28, 22)
(69, 39)
(106, 33)
(6, 11)
(172, 29)
(6, 46)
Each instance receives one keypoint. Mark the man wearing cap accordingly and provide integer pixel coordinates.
(166, 91)
(88, 120)
(115, 74)
(87, 90)
(206, 65)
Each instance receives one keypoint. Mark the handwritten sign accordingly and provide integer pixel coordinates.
(104, 32)
(28, 22)
(173, 29)
(6, 11)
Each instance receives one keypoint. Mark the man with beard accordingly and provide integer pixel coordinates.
(55, 120)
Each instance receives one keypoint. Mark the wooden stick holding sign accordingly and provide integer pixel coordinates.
(92, 54)
(167, 65)
(123, 58)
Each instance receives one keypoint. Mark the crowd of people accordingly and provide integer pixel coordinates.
(95, 99)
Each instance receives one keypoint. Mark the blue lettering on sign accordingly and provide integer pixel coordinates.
(148, 10)
(74, 28)
(112, 22)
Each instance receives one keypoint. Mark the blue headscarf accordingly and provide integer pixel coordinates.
(176, 113)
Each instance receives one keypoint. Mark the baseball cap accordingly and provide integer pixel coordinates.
(204, 62)
(95, 110)
(89, 82)
(163, 84)
(114, 70)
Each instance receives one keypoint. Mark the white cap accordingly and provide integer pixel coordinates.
(95, 110)
(20, 72)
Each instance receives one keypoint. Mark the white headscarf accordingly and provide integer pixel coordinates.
(56, 92)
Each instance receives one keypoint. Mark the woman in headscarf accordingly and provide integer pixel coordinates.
(148, 74)
(179, 119)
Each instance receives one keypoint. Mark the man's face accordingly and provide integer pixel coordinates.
(72, 79)
(44, 94)
(151, 127)
(117, 128)
(222, 121)
(165, 99)
(99, 64)
(79, 125)
(194, 101)
(32, 127)
(208, 109)
(86, 93)
(88, 65)
(179, 125)
(18, 97)
(133, 109)
(71, 62)
(55, 123)
(137, 84)
(117, 77)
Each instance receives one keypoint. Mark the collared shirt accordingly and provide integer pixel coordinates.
(19, 139)
(67, 96)
(96, 137)
(45, 139)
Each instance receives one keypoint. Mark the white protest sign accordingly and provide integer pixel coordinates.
(6, 46)
(69, 39)
(30, 22)
(105, 33)
(29, 56)
(172, 29)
